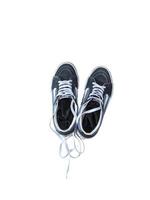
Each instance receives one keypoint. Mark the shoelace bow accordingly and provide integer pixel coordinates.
(65, 90)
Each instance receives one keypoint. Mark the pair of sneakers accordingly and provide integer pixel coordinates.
(83, 122)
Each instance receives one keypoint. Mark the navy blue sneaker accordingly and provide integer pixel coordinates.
(64, 97)
(97, 94)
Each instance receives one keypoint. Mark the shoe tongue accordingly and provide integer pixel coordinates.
(94, 100)
(64, 112)
(91, 118)
(63, 106)
(65, 97)
(93, 103)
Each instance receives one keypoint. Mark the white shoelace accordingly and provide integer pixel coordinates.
(97, 95)
(97, 91)
(65, 91)
(65, 88)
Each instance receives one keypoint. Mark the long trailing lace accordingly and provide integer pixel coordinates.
(65, 149)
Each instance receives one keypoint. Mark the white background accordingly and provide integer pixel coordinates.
(35, 37)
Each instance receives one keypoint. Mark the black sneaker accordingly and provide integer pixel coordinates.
(94, 103)
(64, 97)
